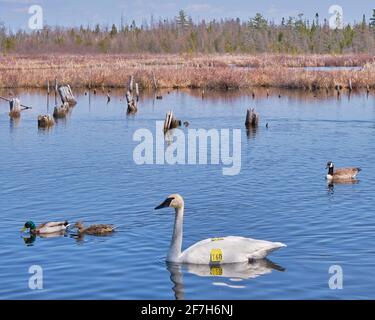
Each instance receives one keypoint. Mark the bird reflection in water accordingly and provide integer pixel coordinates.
(233, 273)
(29, 239)
(331, 184)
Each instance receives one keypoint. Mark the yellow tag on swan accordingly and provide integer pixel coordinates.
(216, 255)
(217, 239)
(216, 271)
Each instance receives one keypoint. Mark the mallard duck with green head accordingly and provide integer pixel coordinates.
(45, 228)
(95, 230)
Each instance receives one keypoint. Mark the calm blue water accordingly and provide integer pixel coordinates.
(83, 169)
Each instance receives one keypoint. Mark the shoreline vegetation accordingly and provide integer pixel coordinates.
(223, 72)
(182, 53)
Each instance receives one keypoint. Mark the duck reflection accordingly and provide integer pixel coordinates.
(29, 239)
(234, 273)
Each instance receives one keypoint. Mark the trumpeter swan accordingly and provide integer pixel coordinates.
(215, 250)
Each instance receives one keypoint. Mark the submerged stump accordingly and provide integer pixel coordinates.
(252, 119)
(171, 122)
(132, 99)
(15, 108)
(62, 111)
(45, 121)
(132, 103)
(66, 95)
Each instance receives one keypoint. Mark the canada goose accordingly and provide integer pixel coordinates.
(215, 250)
(96, 229)
(159, 97)
(45, 228)
(341, 174)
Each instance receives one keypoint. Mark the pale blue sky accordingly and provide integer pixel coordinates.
(14, 13)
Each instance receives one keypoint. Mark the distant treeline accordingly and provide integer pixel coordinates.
(294, 35)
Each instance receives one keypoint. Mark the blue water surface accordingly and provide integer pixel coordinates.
(83, 169)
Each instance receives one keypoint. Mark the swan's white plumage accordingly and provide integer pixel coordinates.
(234, 249)
(229, 249)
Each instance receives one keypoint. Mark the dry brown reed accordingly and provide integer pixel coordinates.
(184, 71)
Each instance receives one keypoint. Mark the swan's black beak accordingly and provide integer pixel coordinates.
(165, 204)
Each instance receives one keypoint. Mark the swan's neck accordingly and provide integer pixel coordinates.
(176, 244)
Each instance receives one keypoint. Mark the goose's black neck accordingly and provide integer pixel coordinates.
(330, 170)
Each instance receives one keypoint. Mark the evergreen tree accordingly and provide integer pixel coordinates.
(372, 20)
(258, 22)
(113, 30)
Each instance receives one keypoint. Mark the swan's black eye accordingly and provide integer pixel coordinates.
(168, 201)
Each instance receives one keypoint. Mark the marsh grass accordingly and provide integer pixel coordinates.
(184, 71)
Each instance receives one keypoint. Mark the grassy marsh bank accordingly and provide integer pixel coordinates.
(184, 71)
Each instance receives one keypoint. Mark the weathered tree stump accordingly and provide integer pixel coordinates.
(62, 111)
(45, 121)
(15, 108)
(154, 81)
(130, 99)
(132, 103)
(171, 122)
(66, 95)
(252, 119)
(131, 84)
(137, 91)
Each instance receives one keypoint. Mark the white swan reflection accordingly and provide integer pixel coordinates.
(229, 275)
